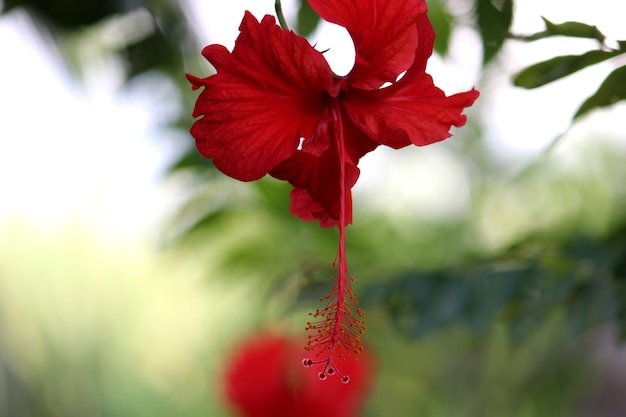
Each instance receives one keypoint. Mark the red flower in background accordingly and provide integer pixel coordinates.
(261, 381)
(275, 107)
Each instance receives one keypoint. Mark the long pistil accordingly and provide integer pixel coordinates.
(339, 327)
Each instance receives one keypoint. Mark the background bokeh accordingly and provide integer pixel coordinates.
(492, 266)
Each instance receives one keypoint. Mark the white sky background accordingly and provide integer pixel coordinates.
(93, 153)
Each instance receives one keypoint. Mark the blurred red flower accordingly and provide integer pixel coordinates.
(261, 380)
(275, 107)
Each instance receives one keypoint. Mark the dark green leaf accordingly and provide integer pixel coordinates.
(9, 5)
(441, 21)
(155, 51)
(70, 14)
(494, 19)
(573, 29)
(307, 19)
(612, 90)
(192, 159)
(555, 68)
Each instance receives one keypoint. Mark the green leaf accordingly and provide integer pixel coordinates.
(192, 159)
(573, 29)
(494, 19)
(307, 19)
(68, 14)
(558, 67)
(612, 90)
(442, 23)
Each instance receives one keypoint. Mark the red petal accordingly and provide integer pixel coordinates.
(265, 378)
(411, 110)
(320, 176)
(303, 206)
(266, 95)
(254, 380)
(357, 144)
(416, 112)
(384, 35)
(425, 43)
(317, 179)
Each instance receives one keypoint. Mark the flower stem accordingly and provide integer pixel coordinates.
(280, 15)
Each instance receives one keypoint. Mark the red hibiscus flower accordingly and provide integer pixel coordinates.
(261, 381)
(275, 107)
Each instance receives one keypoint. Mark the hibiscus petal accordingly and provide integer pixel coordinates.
(320, 176)
(317, 179)
(304, 207)
(425, 43)
(416, 112)
(384, 35)
(357, 144)
(267, 94)
(262, 379)
(411, 110)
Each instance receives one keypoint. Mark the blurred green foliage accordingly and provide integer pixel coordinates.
(493, 313)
